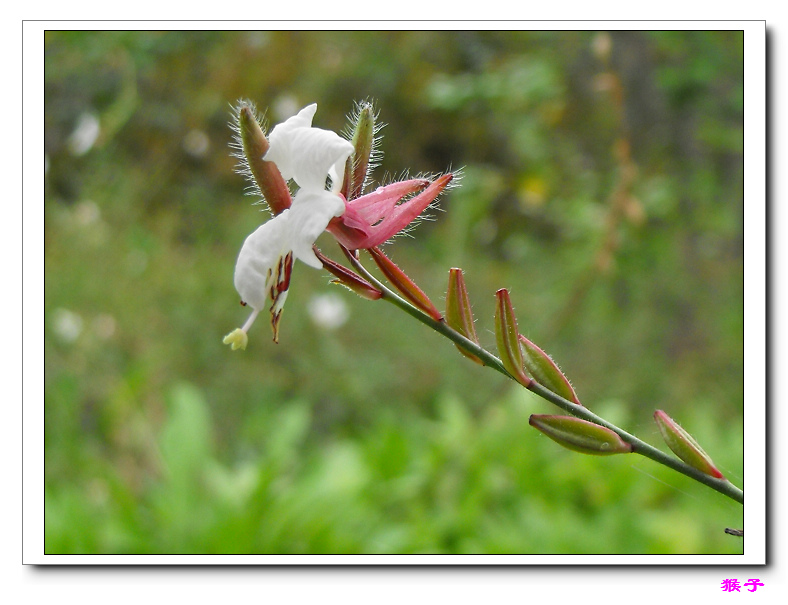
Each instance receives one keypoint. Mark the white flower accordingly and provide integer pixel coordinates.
(307, 155)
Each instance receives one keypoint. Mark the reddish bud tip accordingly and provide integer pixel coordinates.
(684, 446)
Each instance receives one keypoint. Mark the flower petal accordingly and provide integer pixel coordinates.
(309, 216)
(320, 153)
(307, 155)
(259, 253)
(280, 149)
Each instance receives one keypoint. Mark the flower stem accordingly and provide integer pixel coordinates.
(723, 486)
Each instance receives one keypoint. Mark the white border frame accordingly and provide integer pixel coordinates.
(755, 305)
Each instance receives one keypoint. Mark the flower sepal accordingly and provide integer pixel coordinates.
(373, 219)
(349, 279)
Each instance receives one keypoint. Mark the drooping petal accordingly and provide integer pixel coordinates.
(309, 216)
(263, 271)
(258, 258)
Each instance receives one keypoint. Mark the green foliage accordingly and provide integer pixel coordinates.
(450, 483)
(377, 436)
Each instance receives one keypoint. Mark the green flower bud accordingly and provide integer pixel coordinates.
(252, 145)
(545, 371)
(458, 312)
(684, 446)
(506, 335)
(361, 161)
(580, 435)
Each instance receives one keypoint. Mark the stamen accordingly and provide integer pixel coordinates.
(284, 284)
(250, 321)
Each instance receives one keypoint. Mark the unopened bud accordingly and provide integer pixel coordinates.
(358, 164)
(545, 371)
(580, 435)
(684, 446)
(265, 176)
(406, 286)
(458, 312)
(351, 280)
(507, 337)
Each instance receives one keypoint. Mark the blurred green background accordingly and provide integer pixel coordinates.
(602, 185)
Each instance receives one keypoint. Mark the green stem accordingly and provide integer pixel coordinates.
(723, 486)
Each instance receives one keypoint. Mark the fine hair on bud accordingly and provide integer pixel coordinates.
(237, 145)
(375, 154)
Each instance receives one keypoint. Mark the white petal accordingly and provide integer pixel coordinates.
(308, 154)
(315, 152)
(260, 252)
(281, 140)
(303, 119)
(309, 216)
